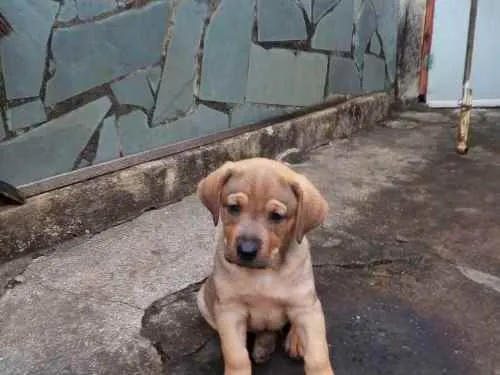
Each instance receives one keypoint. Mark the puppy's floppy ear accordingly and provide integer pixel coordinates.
(311, 208)
(209, 189)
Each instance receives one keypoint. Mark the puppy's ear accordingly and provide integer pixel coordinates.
(209, 189)
(311, 209)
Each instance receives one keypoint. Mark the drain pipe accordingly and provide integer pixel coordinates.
(463, 128)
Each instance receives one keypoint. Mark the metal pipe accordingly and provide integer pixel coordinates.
(463, 128)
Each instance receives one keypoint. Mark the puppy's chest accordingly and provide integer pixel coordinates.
(266, 316)
(266, 302)
(266, 296)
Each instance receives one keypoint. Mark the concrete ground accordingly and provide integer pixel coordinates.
(407, 267)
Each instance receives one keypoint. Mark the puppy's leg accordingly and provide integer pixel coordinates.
(293, 345)
(265, 345)
(205, 299)
(309, 336)
(231, 326)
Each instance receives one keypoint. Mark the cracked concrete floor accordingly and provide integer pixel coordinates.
(407, 266)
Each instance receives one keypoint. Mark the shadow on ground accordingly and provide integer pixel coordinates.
(395, 299)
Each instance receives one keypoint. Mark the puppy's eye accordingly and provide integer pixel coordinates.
(234, 209)
(276, 217)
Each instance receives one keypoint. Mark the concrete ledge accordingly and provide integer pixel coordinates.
(94, 205)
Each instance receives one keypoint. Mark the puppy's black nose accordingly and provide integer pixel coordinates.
(248, 248)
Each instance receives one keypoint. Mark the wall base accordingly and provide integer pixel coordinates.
(94, 205)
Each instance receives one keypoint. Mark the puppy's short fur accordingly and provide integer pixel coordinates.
(263, 276)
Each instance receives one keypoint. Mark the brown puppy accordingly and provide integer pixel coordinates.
(263, 276)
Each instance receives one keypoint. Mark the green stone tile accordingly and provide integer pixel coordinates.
(280, 20)
(134, 90)
(375, 46)
(388, 11)
(24, 51)
(307, 5)
(202, 121)
(226, 52)
(91, 8)
(322, 7)
(68, 11)
(365, 28)
(136, 136)
(134, 133)
(176, 93)
(27, 114)
(154, 77)
(373, 74)
(91, 54)
(334, 31)
(247, 114)
(283, 77)
(51, 148)
(343, 77)
(108, 147)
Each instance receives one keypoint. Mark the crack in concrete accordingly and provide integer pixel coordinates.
(166, 360)
(38, 281)
(369, 264)
(198, 349)
(11, 271)
(155, 308)
(169, 362)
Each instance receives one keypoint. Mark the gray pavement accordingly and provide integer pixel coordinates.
(407, 266)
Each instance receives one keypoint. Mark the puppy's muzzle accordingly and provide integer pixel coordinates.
(248, 248)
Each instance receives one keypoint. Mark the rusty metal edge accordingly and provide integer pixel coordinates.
(426, 46)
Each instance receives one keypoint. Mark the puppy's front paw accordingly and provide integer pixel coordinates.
(238, 368)
(325, 370)
(293, 345)
(265, 345)
(238, 372)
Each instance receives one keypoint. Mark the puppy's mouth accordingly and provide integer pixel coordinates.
(254, 264)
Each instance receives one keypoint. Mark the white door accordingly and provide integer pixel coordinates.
(485, 75)
(449, 40)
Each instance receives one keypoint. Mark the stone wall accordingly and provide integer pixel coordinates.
(88, 81)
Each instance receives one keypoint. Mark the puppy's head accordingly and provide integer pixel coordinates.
(263, 206)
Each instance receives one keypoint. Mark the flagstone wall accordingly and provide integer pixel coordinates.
(88, 81)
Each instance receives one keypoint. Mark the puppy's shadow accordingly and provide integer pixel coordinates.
(208, 360)
(368, 337)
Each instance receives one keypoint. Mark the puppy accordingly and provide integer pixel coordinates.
(263, 276)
